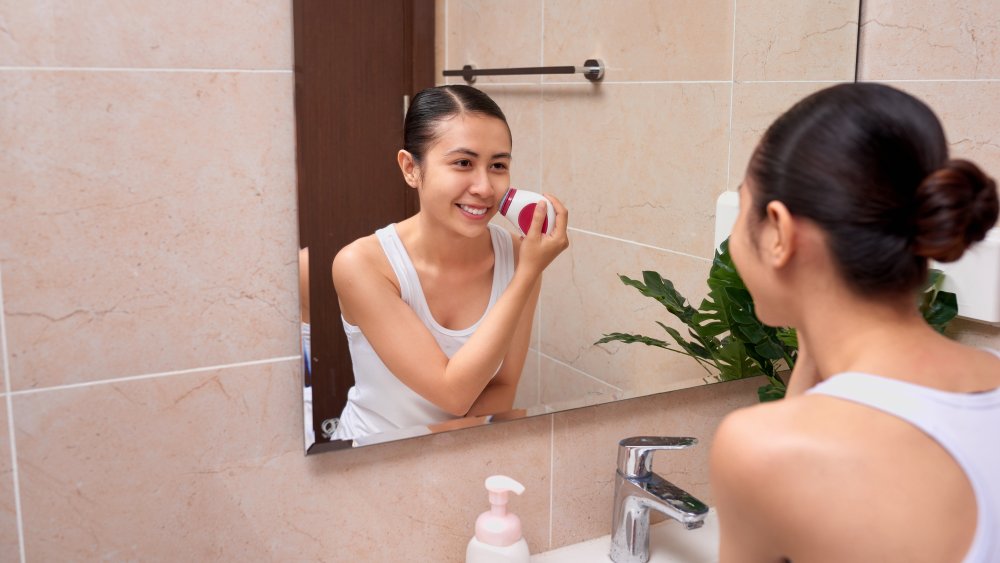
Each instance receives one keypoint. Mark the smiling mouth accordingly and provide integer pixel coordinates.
(477, 211)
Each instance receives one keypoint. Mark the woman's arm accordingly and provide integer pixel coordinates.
(409, 350)
(498, 396)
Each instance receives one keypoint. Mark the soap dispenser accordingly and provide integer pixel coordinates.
(498, 536)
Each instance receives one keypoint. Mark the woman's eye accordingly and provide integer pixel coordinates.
(464, 162)
(500, 166)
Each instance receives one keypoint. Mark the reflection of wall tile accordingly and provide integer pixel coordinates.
(9, 550)
(562, 384)
(755, 107)
(440, 41)
(153, 225)
(494, 34)
(968, 112)
(122, 33)
(975, 333)
(583, 286)
(522, 105)
(527, 388)
(643, 162)
(641, 39)
(215, 451)
(795, 40)
(586, 449)
(921, 39)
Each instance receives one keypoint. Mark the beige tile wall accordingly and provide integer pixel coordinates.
(947, 54)
(147, 305)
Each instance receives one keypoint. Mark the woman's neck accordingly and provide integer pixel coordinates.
(867, 335)
(434, 245)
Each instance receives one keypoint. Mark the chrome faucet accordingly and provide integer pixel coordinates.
(638, 489)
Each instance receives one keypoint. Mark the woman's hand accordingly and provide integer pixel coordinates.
(539, 250)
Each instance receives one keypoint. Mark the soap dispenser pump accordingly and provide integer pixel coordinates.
(498, 536)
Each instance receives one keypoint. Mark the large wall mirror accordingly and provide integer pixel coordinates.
(639, 159)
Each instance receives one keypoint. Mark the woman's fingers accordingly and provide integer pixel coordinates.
(562, 215)
(537, 220)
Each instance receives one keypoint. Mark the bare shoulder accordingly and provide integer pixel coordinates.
(795, 473)
(359, 257)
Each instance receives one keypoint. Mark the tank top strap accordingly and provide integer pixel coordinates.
(402, 266)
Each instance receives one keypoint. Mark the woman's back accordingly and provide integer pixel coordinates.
(883, 449)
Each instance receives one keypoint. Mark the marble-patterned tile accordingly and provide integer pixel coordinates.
(243, 34)
(928, 39)
(586, 449)
(494, 34)
(528, 388)
(9, 548)
(755, 107)
(796, 40)
(151, 224)
(584, 299)
(641, 39)
(140, 469)
(440, 41)
(975, 333)
(563, 386)
(642, 162)
(522, 106)
(968, 112)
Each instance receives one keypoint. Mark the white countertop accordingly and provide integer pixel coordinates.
(669, 542)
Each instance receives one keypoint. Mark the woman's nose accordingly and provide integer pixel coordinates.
(481, 185)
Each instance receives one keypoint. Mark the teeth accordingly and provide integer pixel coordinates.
(473, 210)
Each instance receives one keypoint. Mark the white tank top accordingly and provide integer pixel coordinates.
(966, 426)
(378, 401)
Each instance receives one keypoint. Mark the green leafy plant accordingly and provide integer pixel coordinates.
(728, 340)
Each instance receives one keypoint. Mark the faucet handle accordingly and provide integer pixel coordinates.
(635, 454)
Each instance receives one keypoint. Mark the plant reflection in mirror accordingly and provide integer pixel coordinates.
(729, 341)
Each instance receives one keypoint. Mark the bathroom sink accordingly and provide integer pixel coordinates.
(669, 542)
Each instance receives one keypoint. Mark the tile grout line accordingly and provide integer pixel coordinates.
(552, 475)
(10, 425)
(581, 372)
(642, 244)
(446, 67)
(541, 175)
(732, 109)
(538, 357)
(143, 69)
(156, 375)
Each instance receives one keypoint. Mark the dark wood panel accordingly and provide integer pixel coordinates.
(354, 62)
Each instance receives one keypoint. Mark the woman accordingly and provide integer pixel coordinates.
(886, 447)
(438, 308)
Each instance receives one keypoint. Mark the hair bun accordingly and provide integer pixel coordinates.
(956, 206)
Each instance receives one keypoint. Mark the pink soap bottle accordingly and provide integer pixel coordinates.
(498, 536)
(518, 206)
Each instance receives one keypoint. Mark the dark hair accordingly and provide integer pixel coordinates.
(869, 165)
(433, 105)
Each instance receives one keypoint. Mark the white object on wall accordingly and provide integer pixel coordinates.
(975, 279)
(727, 207)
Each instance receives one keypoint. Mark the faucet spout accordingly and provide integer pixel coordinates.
(637, 492)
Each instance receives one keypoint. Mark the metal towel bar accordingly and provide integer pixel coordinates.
(592, 69)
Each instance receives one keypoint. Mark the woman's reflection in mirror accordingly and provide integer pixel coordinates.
(438, 308)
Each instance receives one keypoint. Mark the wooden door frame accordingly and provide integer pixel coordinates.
(325, 60)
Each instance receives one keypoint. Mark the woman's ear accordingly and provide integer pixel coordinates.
(408, 165)
(781, 247)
